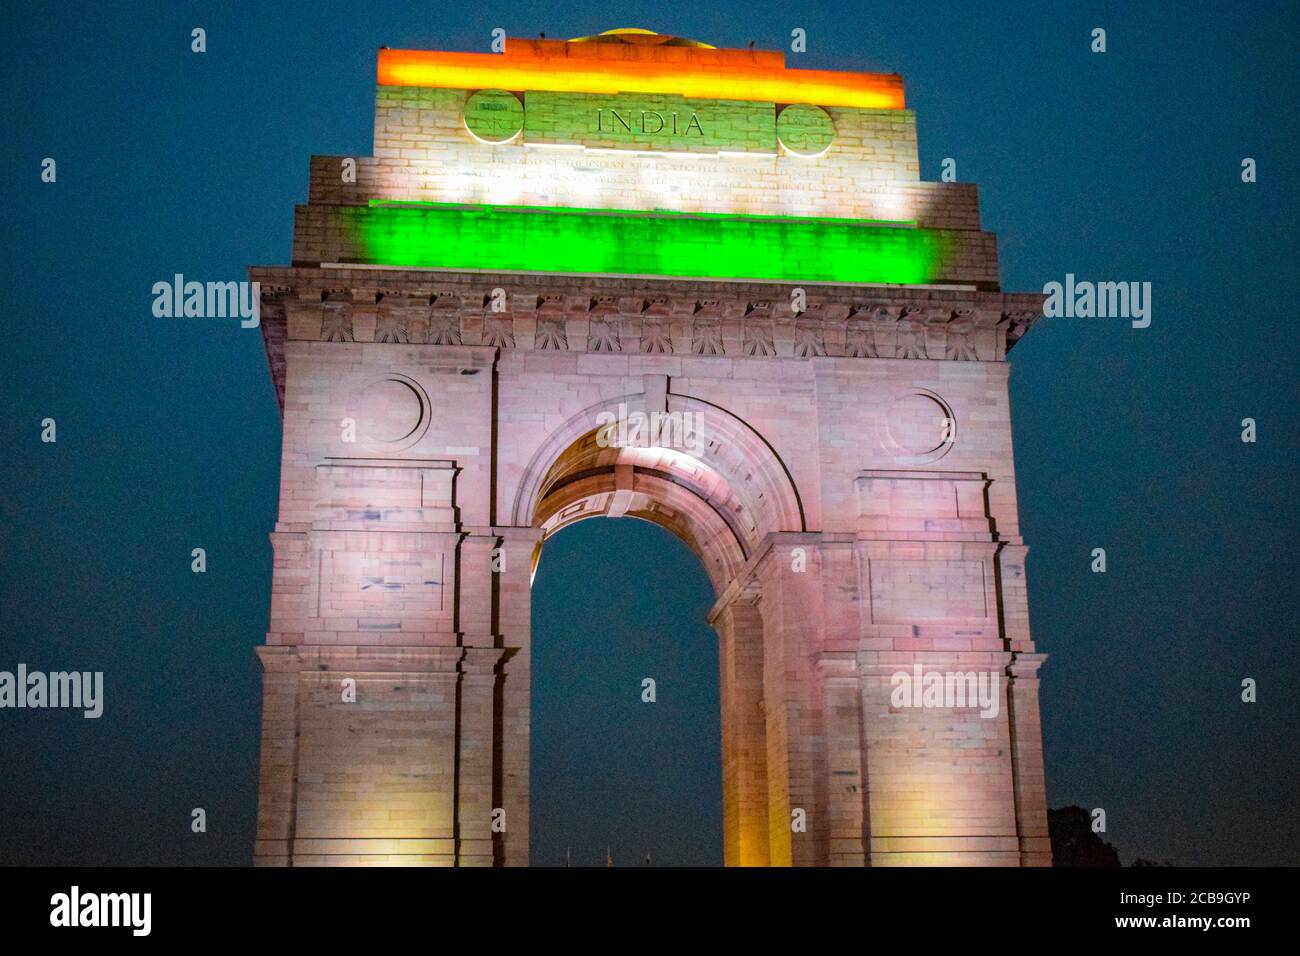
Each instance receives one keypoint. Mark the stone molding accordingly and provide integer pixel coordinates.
(593, 314)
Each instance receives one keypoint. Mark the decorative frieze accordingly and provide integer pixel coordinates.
(605, 315)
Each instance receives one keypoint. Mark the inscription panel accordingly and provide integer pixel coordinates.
(645, 121)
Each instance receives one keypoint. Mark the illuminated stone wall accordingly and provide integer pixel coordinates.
(896, 523)
(423, 147)
(852, 500)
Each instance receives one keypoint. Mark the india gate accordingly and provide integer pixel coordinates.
(637, 275)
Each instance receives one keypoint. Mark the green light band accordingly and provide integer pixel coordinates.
(619, 242)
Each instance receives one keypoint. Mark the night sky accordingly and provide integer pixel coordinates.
(1119, 166)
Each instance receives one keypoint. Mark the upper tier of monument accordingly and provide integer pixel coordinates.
(635, 153)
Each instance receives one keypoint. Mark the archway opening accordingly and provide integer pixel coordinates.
(619, 764)
(715, 490)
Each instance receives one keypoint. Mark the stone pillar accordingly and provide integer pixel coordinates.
(1023, 708)
(1027, 759)
(476, 751)
(840, 764)
(477, 732)
(841, 739)
(744, 747)
(513, 626)
(795, 759)
(278, 774)
(476, 588)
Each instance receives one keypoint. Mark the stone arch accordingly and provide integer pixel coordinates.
(722, 495)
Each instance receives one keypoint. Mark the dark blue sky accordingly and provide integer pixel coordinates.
(617, 601)
(1121, 166)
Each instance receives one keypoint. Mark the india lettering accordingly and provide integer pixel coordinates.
(647, 121)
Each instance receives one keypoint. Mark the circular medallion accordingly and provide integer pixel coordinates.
(805, 130)
(391, 410)
(919, 426)
(494, 116)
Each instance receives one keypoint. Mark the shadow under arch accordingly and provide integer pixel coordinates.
(722, 491)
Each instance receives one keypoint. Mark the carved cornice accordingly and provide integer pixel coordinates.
(688, 318)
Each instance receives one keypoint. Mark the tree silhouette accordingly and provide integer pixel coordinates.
(1074, 843)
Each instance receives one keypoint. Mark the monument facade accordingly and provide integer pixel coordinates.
(635, 275)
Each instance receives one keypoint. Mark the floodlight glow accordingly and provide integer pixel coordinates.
(621, 242)
(528, 71)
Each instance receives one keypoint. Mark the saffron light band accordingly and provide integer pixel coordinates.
(521, 72)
